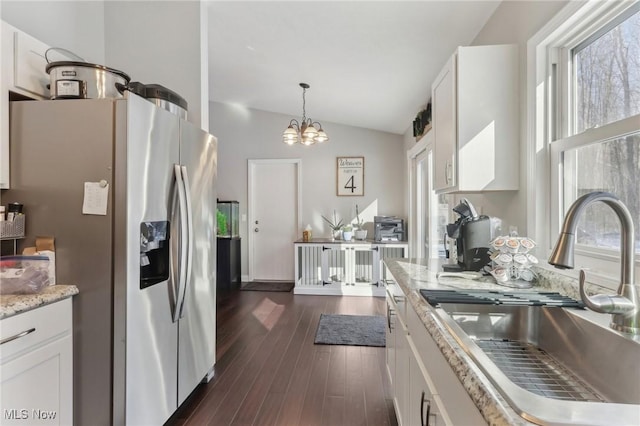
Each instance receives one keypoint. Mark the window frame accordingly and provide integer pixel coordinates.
(550, 90)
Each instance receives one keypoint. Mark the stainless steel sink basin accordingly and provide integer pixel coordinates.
(553, 365)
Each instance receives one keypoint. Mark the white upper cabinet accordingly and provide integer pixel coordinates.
(476, 120)
(23, 72)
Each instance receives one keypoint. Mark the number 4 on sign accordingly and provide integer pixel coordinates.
(350, 185)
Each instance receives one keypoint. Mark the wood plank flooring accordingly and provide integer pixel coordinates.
(269, 371)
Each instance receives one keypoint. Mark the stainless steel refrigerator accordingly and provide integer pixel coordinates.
(144, 320)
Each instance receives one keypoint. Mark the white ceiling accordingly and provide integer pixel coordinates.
(369, 64)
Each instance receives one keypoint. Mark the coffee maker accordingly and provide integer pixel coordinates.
(470, 238)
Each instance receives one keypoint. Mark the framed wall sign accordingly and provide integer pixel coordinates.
(350, 179)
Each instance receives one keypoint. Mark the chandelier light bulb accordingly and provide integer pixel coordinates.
(290, 135)
(321, 136)
(310, 132)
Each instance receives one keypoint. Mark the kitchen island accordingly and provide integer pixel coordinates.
(339, 267)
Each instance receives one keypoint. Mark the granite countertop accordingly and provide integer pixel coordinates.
(415, 274)
(12, 304)
(353, 241)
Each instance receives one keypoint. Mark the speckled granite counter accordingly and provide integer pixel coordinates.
(415, 274)
(14, 304)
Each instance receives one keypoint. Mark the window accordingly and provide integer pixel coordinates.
(612, 166)
(591, 124)
(607, 73)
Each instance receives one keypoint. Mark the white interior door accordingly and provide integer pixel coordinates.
(274, 205)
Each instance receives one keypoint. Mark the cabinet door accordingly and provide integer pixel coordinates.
(390, 347)
(402, 374)
(445, 127)
(424, 406)
(36, 388)
(453, 404)
(6, 64)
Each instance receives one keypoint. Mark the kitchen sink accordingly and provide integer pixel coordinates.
(554, 366)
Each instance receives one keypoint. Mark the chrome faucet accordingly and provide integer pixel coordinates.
(624, 306)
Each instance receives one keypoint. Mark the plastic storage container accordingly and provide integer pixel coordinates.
(23, 274)
(227, 218)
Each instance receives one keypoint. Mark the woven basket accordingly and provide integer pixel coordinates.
(14, 228)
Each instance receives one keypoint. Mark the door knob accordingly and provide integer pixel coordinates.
(256, 230)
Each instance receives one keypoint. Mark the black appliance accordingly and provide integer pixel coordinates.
(472, 234)
(389, 228)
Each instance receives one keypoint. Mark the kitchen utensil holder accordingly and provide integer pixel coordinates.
(12, 229)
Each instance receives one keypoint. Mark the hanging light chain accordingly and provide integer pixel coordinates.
(304, 104)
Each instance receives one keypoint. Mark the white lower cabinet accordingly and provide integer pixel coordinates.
(403, 355)
(424, 406)
(451, 402)
(390, 346)
(397, 350)
(425, 389)
(36, 367)
(343, 268)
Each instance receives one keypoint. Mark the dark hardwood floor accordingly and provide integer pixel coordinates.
(269, 371)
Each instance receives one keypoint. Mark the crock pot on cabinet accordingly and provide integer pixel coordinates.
(84, 80)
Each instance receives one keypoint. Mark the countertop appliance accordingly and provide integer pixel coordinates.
(388, 228)
(159, 95)
(472, 234)
(83, 80)
(145, 317)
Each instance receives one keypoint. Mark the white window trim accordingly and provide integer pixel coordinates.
(541, 223)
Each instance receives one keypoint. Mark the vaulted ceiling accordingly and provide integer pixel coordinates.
(369, 64)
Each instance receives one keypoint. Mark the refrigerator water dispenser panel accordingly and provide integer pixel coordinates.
(154, 253)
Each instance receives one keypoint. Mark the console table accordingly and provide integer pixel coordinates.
(338, 267)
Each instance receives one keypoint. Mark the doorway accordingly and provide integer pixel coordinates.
(428, 212)
(274, 205)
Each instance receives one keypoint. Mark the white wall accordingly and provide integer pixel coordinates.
(163, 42)
(160, 42)
(74, 25)
(245, 134)
(513, 22)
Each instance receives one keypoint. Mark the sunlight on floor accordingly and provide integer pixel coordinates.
(268, 312)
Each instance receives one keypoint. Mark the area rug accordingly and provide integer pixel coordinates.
(351, 330)
(268, 286)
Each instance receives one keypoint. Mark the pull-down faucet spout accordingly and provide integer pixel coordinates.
(624, 306)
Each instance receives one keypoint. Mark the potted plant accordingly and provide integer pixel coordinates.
(347, 232)
(361, 233)
(335, 226)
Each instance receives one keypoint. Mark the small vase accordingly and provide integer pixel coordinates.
(335, 235)
(361, 234)
(347, 235)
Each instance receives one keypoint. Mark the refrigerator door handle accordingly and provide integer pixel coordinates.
(183, 235)
(190, 237)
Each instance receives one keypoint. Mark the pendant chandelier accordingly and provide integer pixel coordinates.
(306, 131)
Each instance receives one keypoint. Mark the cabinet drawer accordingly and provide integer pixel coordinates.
(32, 328)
